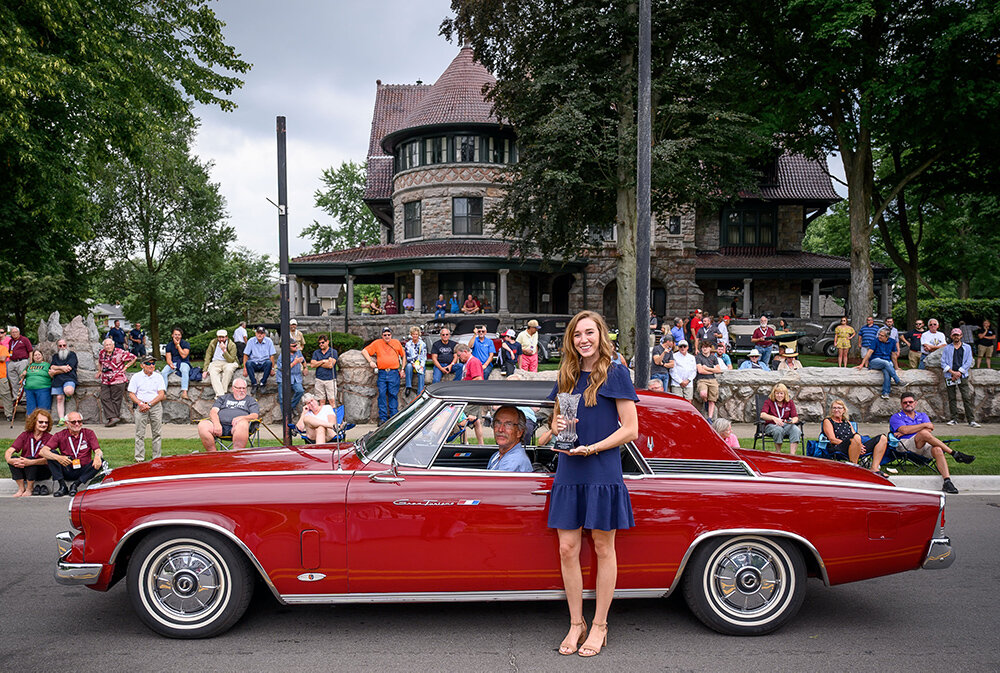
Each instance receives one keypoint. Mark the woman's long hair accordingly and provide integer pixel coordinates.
(569, 368)
(29, 422)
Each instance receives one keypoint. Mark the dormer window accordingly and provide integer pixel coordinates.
(751, 225)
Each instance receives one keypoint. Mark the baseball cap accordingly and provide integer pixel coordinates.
(386, 329)
(260, 330)
(754, 353)
(682, 342)
(532, 323)
(221, 332)
(509, 333)
(956, 331)
(149, 360)
(293, 321)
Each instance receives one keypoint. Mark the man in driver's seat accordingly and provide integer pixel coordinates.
(508, 427)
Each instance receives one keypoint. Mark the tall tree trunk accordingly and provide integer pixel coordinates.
(154, 320)
(860, 186)
(626, 216)
(912, 280)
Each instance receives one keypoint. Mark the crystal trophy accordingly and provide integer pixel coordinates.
(568, 403)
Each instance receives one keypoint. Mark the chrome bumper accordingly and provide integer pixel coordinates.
(74, 573)
(940, 555)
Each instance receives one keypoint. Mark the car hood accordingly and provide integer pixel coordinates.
(770, 464)
(277, 459)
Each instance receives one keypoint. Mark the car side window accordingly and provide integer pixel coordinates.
(421, 448)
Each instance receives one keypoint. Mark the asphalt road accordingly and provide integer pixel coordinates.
(922, 620)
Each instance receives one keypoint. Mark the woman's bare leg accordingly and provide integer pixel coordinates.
(570, 542)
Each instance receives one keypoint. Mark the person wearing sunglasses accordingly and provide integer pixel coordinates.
(24, 456)
(683, 373)
(74, 455)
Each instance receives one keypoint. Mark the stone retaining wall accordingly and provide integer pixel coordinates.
(812, 388)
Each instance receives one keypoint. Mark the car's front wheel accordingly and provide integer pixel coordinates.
(746, 585)
(830, 350)
(189, 583)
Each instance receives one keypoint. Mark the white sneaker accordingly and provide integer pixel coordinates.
(973, 424)
(885, 397)
(952, 422)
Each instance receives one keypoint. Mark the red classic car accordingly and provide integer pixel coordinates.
(409, 513)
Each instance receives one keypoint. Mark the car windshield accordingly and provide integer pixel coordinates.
(370, 444)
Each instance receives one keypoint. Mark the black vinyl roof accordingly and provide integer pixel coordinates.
(521, 392)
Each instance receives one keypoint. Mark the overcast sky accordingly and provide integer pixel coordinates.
(315, 62)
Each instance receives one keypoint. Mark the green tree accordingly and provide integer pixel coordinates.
(874, 79)
(158, 207)
(82, 81)
(343, 200)
(566, 82)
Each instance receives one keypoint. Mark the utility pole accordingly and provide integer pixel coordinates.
(643, 170)
(286, 373)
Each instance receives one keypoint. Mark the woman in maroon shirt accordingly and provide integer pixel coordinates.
(781, 418)
(29, 466)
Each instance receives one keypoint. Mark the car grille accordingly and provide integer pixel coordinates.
(709, 467)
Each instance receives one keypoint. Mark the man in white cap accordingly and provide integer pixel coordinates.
(754, 362)
(221, 362)
(293, 331)
(510, 353)
(683, 372)
(528, 339)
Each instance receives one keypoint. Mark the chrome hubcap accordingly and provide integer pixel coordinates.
(186, 583)
(747, 580)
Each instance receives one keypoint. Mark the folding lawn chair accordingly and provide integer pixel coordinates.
(225, 442)
(340, 428)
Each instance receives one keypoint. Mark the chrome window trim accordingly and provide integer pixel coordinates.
(160, 523)
(765, 532)
(404, 432)
(460, 596)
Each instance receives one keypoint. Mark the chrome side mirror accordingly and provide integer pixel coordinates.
(390, 476)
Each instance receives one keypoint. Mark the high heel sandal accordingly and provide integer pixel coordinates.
(564, 649)
(591, 652)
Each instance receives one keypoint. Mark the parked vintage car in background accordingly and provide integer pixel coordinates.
(410, 513)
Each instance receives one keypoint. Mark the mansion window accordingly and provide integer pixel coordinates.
(455, 148)
(749, 225)
(467, 215)
(411, 220)
(466, 149)
(674, 225)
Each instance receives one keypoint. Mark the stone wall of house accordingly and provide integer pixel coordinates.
(707, 229)
(776, 295)
(435, 187)
(790, 230)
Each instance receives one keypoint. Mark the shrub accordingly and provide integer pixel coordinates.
(950, 311)
(340, 341)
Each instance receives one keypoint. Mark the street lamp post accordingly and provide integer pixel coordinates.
(286, 373)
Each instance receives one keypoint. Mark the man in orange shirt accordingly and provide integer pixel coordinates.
(390, 358)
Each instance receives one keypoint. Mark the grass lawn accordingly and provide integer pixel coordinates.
(985, 448)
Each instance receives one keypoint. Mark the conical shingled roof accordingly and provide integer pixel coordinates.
(457, 96)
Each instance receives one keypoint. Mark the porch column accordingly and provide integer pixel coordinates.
(315, 294)
(349, 309)
(298, 296)
(747, 302)
(885, 301)
(503, 290)
(814, 304)
(418, 296)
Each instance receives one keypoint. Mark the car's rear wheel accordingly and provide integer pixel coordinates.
(189, 583)
(746, 585)
(830, 350)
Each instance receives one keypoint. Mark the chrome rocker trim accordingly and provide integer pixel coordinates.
(74, 574)
(459, 596)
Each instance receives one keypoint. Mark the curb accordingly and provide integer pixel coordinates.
(967, 484)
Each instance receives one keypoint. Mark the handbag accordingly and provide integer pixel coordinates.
(195, 374)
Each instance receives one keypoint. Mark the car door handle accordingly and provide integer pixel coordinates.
(386, 478)
(542, 491)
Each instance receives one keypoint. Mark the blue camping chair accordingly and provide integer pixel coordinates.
(896, 456)
(339, 430)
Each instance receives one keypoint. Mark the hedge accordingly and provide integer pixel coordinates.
(950, 311)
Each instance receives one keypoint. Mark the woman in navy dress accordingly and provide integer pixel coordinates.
(588, 490)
